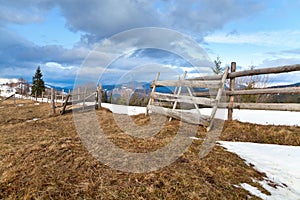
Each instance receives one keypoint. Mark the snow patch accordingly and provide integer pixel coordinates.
(280, 163)
(254, 191)
(122, 109)
(32, 120)
(195, 138)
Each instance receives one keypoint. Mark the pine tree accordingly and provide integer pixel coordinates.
(38, 85)
(217, 69)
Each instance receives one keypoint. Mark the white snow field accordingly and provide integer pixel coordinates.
(265, 117)
(280, 163)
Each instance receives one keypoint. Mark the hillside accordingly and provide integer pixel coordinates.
(43, 157)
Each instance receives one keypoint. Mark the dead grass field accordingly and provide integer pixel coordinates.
(45, 159)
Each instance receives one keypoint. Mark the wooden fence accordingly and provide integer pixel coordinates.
(232, 92)
(216, 84)
(78, 99)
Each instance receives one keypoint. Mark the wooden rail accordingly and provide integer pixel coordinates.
(177, 97)
(191, 83)
(183, 99)
(264, 106)
(255, 106)
(180, 114)
(286, 90)
(273, 70)
(234, 74)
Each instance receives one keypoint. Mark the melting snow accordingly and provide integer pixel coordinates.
(280, 163)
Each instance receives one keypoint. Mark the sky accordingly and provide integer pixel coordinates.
(97, 40)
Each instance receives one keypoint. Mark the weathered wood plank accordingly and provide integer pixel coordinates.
(153, 90)
(183, 99)
(63, 110)
(190, 83)
(181, 115)
(272, 70)
(53, 101)
(286, 90)
(231, 89)
(163, 104)
(207, 78)
(218, 98)
(264, 106)
(178, 94)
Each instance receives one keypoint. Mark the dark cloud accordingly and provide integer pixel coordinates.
(23, 12)
(99, 19)
(102, 18)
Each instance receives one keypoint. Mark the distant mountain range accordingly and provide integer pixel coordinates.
(140, 85)
(283, 86)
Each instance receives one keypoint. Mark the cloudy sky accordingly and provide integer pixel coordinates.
(67, 37)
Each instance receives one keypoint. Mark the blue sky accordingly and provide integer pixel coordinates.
(60, 35)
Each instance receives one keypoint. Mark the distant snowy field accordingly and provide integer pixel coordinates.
(265, 117)
(280, 163)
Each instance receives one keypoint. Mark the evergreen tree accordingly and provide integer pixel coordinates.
(38, 85)
(217, 69)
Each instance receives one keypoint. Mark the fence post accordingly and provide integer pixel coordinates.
(84, 95)
(153, 90)
(15, 99)
(98, 99)
(62, 96)
(53, 100)
(231, 88)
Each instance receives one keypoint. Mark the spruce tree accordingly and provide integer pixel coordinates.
(217, 69)
(38, 85)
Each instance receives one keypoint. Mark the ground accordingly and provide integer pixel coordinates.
(42, 157)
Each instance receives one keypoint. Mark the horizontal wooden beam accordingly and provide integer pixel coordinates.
(286, 90)
(163, 104)
(193, 118)
(183, 98)
(207, 78)
(264, 106)
(190, 83)
(272, 70)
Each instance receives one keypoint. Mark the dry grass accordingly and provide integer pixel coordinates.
(247, 132)
(45, 159)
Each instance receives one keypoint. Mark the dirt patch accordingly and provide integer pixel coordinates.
(45, 159)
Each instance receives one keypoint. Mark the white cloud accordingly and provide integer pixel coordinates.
(58, 66)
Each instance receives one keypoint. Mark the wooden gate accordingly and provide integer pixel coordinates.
(211, 83)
